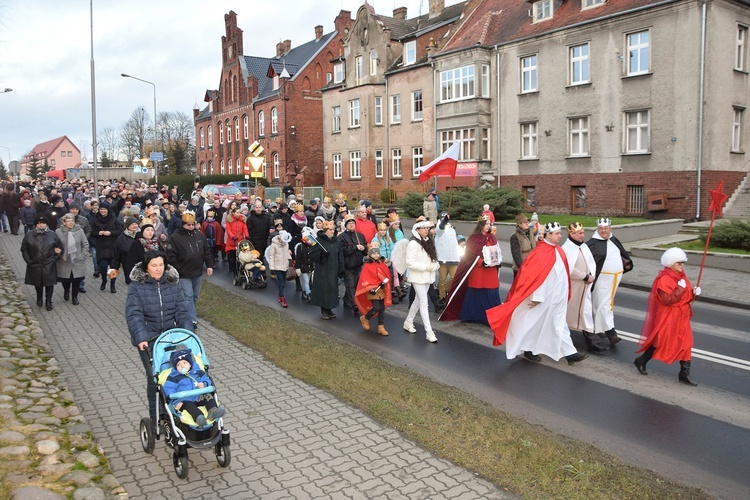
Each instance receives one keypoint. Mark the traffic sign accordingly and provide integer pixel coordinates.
(256, 149)
(144, 170)
(156, 156)
(256, 174)
(256, 162)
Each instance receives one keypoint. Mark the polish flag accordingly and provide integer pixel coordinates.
(445, 164)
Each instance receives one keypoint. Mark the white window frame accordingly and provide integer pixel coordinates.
(239, 167)
(355, 164)
(354, 113)
(417, 105)
(203, 168)
(485, 80)
(378, 163)
(230, 167)
(740, 53)
(578, 136)
(221, 132)
(530, 141)
(337, 166)
(378, 110)
(229, 131)
(274, 121)
(457, 84)
(276, 82)
(358, 70)
(588, 4)
(203, 138)
(637, 130)
(637, 51)
(580, 64)
(221, 167)
(417, 160)
(542, 10)
(738, 119)
(529, 73)
(276, 166)
(396, 108)
(635, 199)
(336, 119)
(396, 170)
(485, 153)
(261, 123)
(338, 72)
(410, 52)
(236, 129)
(467, 139)
(373, 62)
(210, 136)
(246, 126)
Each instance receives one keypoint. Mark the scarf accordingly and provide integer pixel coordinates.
(69, 248)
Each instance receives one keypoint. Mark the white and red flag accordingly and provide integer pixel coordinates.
(445, 164)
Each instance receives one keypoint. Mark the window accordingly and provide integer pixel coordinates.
(586, 4)
(276, 82)
(336, 119)
(638, 53)
(578, 137)
(378, 163)
(237, 129)
(239, 167)
(542, 10)
(457, 83)
(740, 57)
(737, 120)
(378, 110)
(416, 161)
(396, 162)
(338, 72)
(410, 52)
(358, 70)
(203, 139)
(337, 166)
(230, 170)
(485, 152)
(221, 132)
(203, 168)
(416, 105)
(245, 127)
(578, 198)
(529, 140)
(211, 167)
(52, 161)
(274, 121)
(354, 113)
(373, 62)
(355, 165)
(229, 132)
(210, 136)
(261, 123)
(528, 74)
(221, 166)
(637, 132)
(329, 77)
(465, 137)
(635, 199)
(485, 80)
(579, 64)
(276, 166)
(396, 108)
(530, 195)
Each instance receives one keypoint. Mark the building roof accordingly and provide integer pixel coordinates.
(46, 148)
(408, 28)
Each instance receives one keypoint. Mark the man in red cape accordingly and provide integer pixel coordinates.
(375, 275)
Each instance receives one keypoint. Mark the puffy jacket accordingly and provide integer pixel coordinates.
(236, 231)
(421, 269)
(259, 227)
(188, 251)
(38, 251)
(153, 307)
(177, 382)
(278, 255)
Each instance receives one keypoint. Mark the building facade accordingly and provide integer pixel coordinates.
(59, 153)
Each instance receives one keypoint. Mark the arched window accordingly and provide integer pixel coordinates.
(211, 167)
(246, 126)
(221, 166)
(276, 165)
(261, 123)
(203, 139)
(210, 136)
(236, 129)
(274, 121)
(230, 166)
(229, 132)
(221, 132)
(203, 168)
(239, 167)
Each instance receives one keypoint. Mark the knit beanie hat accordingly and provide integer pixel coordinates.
(179, 355)
(129, 221)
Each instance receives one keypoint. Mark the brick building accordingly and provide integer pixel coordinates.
(274, 100)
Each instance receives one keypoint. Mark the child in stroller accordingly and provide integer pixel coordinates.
(251, 273)
(185, 376)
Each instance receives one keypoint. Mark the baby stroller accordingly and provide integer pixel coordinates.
(249, 269)
(180, 430)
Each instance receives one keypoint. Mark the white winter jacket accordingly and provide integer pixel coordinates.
(446, 244)
(420, 268)
(278, 255)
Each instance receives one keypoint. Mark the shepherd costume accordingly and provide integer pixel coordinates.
(372, 275)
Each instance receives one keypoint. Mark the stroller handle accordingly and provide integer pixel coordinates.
(191, 393)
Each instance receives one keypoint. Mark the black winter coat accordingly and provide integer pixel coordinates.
(105, 245)
(353, 257)
(122, 247)
(188, 251)
(329, 264)
(153, 307)
(259, 227)
(38, 251)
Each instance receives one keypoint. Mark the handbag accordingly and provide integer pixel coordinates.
(492, 255)
(291, 273)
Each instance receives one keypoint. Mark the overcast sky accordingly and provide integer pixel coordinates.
(45, 57)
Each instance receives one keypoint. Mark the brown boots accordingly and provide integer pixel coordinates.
(382, 331)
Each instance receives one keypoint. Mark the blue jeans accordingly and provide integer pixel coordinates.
(281, 281)
(4, 222)
(304, 281)
(192, 289)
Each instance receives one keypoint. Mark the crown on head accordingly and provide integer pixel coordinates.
(483, 218)
(551, 226)
(575, 226)
(604, 221)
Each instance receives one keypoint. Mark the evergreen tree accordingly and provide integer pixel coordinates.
(178, 158)
(3, 171)
(46, 167)
(33, 170)
(105, 161)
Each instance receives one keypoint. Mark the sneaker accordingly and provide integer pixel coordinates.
(215, 413)
(410, 328)
(532, 357)
(201, 420)
(195, 326)
(576, 358)
(331, 314)
(431, 337)
(305, 296)
(324, 314)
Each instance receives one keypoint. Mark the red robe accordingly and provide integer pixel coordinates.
(530, 276)
(372, 275)
(218, 233)
(667, 326)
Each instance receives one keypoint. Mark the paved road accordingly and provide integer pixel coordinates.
(289, 439)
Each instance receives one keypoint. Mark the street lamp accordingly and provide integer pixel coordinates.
(6, 89)
(156, 166)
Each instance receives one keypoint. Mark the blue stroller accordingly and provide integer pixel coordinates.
(180, 430)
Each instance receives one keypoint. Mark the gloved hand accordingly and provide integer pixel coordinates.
(374, 291)
(681, 283)
(696, 290)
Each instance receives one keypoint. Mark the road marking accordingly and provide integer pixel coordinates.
(699, 353)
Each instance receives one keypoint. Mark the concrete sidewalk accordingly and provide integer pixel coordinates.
(289, 439)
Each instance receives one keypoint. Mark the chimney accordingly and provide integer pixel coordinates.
(279, 49)
(399, 13)
(318, 32)
(436, 8)
(287, 46)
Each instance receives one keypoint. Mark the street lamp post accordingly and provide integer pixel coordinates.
(156, 165)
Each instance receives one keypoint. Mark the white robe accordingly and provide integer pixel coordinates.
(543, 329)
(603, 292)
(580, 263)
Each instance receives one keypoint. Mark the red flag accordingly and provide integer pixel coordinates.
(445, 164)
(717, 199)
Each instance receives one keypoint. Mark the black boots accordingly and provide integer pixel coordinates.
(685, 374)
(112, 286)
(612, 336)
(48, 304)
(66, 295)
(104, 283)
(640, 361)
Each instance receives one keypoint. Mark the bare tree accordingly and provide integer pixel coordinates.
(133, 135)
(108, 142)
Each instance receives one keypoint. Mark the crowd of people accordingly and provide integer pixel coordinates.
(558, 287)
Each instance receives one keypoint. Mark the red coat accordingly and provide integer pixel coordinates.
(236, 232)
(218, 233)
(372, 275)
(667, 326)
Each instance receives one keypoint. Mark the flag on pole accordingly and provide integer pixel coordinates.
(445, 164)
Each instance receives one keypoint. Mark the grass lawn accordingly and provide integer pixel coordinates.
(527, 460)
(698, 246)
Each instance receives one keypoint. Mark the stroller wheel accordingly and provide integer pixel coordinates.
(223, 456)
(181, 465)
(147, 435)
(235, 281)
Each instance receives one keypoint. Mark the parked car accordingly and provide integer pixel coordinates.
(224, 189)
(247, 187)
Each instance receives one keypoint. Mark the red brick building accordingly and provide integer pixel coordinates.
(274, 100)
